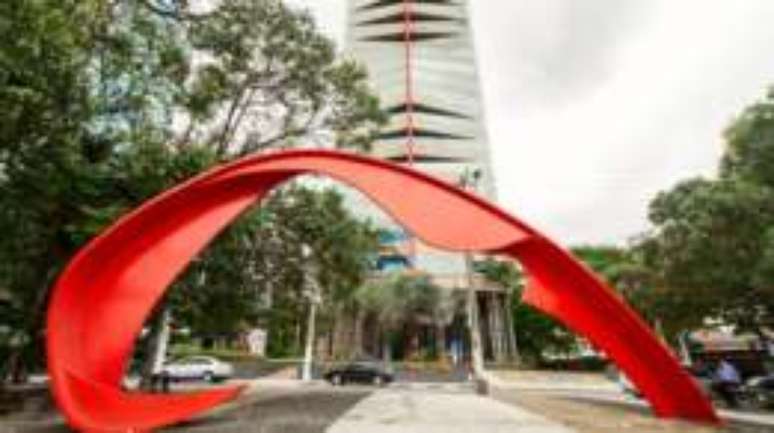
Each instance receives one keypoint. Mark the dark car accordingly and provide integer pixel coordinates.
(761, 391)
(358, 372)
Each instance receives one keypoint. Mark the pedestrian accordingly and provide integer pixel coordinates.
(166, 379)
(726, 382)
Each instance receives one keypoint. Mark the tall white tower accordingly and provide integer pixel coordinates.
(422, 64)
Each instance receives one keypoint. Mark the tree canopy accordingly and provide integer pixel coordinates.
(711, 244)
(104, 104)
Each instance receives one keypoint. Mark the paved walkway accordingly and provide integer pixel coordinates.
(596, 388)
(434, 410)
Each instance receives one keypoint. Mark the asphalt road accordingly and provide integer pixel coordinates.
(295, 411)
(283, 406)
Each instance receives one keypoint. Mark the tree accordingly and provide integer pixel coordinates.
(623, 269)
(266, 77)
(99, 104)
(750, 144)
(402, 299)
(57, 172)
(709, 247)
(712, 239)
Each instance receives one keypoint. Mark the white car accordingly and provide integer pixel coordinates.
(199, 367)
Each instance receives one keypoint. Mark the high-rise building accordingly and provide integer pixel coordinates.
(421, 62)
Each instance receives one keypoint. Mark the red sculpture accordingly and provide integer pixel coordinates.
(102, 299)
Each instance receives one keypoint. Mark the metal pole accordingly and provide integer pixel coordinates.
(476, 355)
(469, 181)
(306, 374)
(314, 298)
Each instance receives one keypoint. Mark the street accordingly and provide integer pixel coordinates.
(453, 407)
(280, 405)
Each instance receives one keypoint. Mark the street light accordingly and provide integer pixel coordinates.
(312, 293)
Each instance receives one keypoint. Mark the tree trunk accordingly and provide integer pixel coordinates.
(330, 338)
(386, 350)
(297, 338)
(498, 318)
(491, 323)
(440, 341)
(37, 320)
(156, 348)
(357, 344)
(16, 371)
(336, 333)
(412, 341)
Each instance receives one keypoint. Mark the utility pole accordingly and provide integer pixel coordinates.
(312, 292)
(513, 345)
(469, 180)
(476, 352)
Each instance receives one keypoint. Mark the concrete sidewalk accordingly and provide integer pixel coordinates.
(597, 388)
(759, 419)
(396, 410)
(551, 380)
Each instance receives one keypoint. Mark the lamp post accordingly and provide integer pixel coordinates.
(312, 293)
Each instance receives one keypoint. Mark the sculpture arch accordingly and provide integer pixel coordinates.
(103, 297)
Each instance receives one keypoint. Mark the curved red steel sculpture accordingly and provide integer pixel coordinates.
(102, 299)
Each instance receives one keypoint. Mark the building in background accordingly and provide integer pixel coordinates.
(422, 64)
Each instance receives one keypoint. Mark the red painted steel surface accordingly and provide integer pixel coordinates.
(104, 296)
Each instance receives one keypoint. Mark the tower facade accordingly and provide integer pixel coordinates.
(422, 64)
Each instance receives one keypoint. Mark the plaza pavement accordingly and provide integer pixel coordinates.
(595, 389)
(453, 408)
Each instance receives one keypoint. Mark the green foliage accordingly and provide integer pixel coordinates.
(750, 151)
(225, 289)
(399, 301)
(710, 247)
(401, 297)
(624, 270)
(712, 239)
(269, 78)
(104, 104)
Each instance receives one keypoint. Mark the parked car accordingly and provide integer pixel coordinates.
(205, 368)
(359, 372)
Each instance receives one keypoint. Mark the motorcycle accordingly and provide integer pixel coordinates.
(760, 392)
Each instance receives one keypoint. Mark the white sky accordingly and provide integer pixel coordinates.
(595, 106)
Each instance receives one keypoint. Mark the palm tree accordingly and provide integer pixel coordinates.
(402, 298)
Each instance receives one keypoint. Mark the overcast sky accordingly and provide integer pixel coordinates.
(594, 106)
